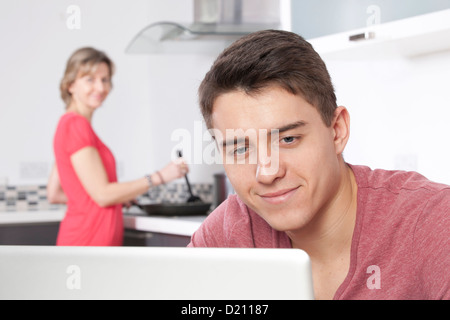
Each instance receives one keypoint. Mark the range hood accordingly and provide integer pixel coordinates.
(217, 23)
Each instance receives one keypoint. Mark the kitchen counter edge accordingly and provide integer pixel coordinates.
(180, 225)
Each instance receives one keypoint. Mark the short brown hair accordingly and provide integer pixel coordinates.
(266, 58)
(80, 63)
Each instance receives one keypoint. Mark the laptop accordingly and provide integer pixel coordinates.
(162, 273)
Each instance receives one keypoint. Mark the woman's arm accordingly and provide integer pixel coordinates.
(92, 174)
(55, 193)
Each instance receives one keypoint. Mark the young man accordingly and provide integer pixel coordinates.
(370, 234)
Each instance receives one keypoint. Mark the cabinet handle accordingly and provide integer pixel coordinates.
(362, 36)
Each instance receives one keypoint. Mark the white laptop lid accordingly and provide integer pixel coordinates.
(40, 272)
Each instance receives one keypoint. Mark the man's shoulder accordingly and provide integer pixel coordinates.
(403, 222)
(221, 223)
(234, 224)
(404, 198)
(397, 181)
(233, 208)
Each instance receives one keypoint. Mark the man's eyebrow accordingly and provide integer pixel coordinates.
(234, 141)
(284, 128)
(290, 126)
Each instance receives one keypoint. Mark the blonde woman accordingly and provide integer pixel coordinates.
(84, 175)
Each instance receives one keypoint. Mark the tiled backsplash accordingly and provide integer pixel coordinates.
(23, 198)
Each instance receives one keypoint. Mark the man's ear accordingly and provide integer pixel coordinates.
(341, 128)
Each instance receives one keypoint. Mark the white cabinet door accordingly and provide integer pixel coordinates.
(312, 19)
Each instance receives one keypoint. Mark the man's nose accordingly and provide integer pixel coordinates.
(268, 169)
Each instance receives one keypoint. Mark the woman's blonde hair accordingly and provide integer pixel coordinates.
(82, 62)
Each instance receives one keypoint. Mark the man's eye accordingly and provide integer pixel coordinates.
(240, 151)
(288, 139)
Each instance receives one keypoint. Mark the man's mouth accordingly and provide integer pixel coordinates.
(278, 196)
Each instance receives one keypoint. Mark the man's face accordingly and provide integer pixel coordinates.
(280, 157)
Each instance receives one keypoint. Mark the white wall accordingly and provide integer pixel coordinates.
(399, 111)
(152, 95)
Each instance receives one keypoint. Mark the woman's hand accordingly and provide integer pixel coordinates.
(174, 170)
(55, 193)
(130, 203)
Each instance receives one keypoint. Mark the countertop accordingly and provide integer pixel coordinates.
(133, 219)
(31, 216)
(136, 219)
(182, 225)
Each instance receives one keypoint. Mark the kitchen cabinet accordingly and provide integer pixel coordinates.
(142, 230)
(313, 19)
(43, 233)
(30, 227)
(40, 227)
(409, 38)
(136, 238)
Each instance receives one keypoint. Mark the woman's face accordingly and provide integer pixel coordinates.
(89, 91)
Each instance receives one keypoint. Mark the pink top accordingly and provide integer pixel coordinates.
(400, 246)
(85, 222)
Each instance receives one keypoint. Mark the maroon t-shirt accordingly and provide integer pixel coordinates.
(400, 247)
